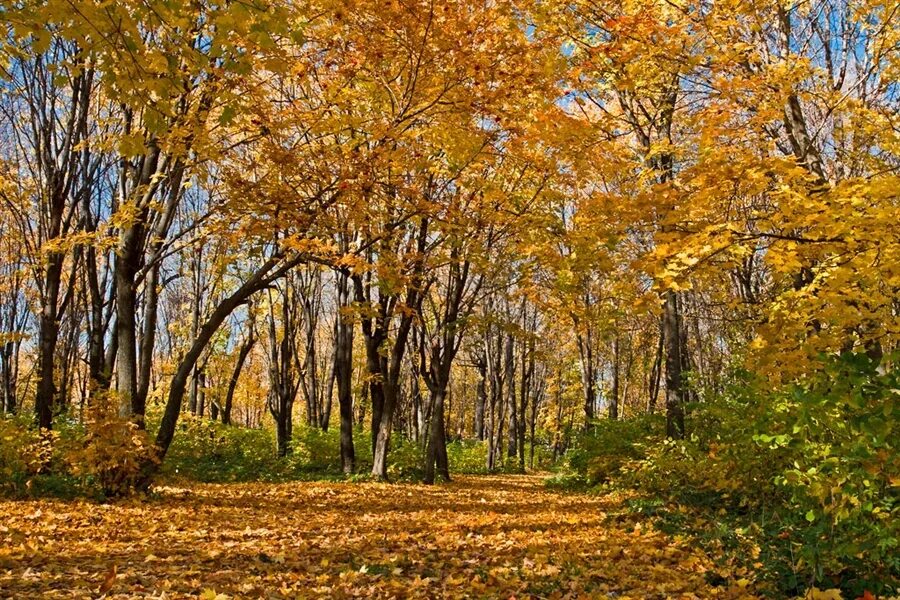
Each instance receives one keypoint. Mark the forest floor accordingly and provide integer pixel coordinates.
(478, 537)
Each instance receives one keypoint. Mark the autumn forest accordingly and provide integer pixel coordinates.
(449, 299)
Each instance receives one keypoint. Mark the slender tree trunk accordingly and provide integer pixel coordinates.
(524, 393)
(97, 371)
(614, 399)
(48, 336)
(535, 400)
(235, 375)
(8, 384)
(375, 385)
(148, 342)
(201, 392)
(383, 434)
(436, 452)
(129, 255)
(328, 393)
(588, 383)
(656, 371)
(674, 364)
(509, 367)
(480, 400)
(343, 373)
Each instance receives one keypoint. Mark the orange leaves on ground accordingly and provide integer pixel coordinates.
(477, 537)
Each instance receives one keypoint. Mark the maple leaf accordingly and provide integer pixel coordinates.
(108, 581)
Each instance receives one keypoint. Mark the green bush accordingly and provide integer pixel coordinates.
(467, 456)
(837, 440)
(809, 471)
(820, 459)
(406, 459)
(208, 451)
(603, 450)
(318, 451)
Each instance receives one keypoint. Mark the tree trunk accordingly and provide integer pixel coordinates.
(524, 393)
(343, 373)
(48, 336)
(436, 452)
(127, 259)
(614, 399)
(509, 367)
(236, 374)
(586, 351)
(656, 371)
(674, 364)
(148, 342)
(325, 413)
(480, 400)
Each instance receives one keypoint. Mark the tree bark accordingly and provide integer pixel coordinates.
(674, 363)
(243, 353)
(343, 373)
(614, 398)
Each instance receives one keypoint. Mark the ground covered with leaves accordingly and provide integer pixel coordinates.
(500, 536)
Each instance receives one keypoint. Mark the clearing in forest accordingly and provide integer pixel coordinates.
(478, 537)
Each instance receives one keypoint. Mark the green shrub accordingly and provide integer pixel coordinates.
(208, 451)
(603, 450)
(205, 450)
(467, 456)
(319, 451)
(406, 459)
(809, 471)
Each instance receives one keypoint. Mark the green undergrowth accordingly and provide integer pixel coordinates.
(797, 487)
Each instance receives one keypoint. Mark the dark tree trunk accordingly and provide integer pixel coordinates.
(98, 374)
(236, 374)
(509, 367)
(328, 393)
(535, 401)
(588, 376)
(284, 376)
(48, 336)
(480, 398)
(374, 367)
(674, 364)
(8, 376)
(343, 373)
(129, 257)
(126, 323)
(614, 399)
(436, 451)
(147, 344)
(494, 426)
(528, 361)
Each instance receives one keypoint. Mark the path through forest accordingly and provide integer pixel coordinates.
(479, 537)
